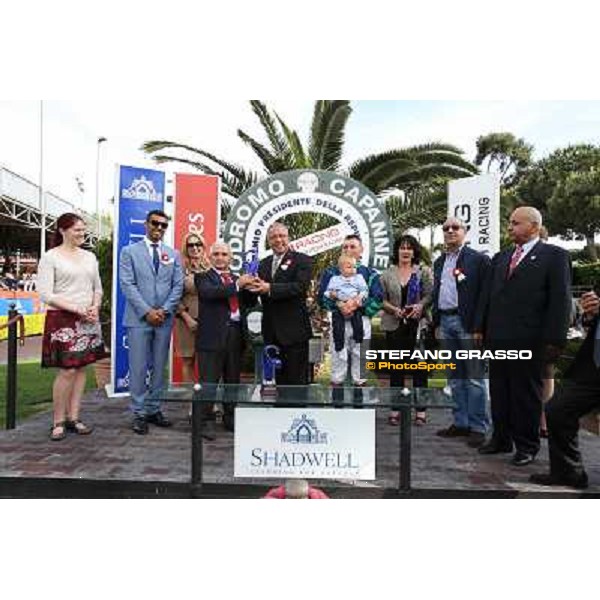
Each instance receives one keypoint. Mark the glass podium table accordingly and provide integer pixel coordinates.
(403, 400)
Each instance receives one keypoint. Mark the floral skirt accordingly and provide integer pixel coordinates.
(69, 342)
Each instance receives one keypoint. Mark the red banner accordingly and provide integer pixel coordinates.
(196, 209)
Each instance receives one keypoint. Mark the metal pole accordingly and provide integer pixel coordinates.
(197, 418)
(11, 368)
(405, 444)
(98, 220)
(42, 196)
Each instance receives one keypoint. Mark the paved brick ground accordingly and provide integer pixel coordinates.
(113, 452)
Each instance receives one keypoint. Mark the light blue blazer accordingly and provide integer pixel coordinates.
(143, 288)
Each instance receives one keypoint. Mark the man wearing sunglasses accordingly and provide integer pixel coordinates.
(459, 277)
(151, 279)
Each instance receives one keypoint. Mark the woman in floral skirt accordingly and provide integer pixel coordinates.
(69, 283)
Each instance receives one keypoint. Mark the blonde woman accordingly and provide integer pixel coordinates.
(195, 261)
(69, 283)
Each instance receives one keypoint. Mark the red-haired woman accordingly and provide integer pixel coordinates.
(69, 283)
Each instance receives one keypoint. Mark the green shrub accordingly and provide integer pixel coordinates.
(583, 256)
(588, 274)
(104, 254)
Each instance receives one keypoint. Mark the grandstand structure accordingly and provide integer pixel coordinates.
(21, 214)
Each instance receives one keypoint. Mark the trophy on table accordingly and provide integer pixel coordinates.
(270, 363)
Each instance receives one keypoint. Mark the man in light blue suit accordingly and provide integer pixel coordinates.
(151, 279)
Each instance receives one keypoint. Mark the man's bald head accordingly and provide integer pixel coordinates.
(524, 224)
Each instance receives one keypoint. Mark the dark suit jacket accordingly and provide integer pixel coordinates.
(534, 304)
(583, 368)
(471, 290)
(213, 309)
(285, 315)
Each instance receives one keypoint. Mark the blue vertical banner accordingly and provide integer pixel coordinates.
(138, 192)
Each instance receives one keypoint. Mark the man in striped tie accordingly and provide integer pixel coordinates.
(528, 308)
(578, 394)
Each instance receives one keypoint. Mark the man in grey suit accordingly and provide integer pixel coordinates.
(151, 279)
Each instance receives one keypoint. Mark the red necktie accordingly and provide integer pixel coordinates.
(514, 261)
(234, 305)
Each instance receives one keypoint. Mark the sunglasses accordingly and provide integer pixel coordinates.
(157, 224)
(451, 227)
(195, 245)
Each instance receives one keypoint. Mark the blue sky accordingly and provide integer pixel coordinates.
(547, 124)
(72, 127)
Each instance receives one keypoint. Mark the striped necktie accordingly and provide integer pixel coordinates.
(514, 261)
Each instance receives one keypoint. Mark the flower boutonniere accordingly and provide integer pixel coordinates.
(459, 275)
(165, 259)
(286, 265)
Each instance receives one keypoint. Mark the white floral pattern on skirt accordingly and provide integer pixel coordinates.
(83, 337)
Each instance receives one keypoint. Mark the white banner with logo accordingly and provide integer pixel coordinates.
(306, 443)
(476, 201)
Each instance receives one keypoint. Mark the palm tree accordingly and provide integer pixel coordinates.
(396, 173)
(509, 155)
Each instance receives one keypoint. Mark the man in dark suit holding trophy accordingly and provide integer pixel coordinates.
(221, 321)
(283, 281)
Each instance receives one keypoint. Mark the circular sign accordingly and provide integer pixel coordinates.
(357, 210)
